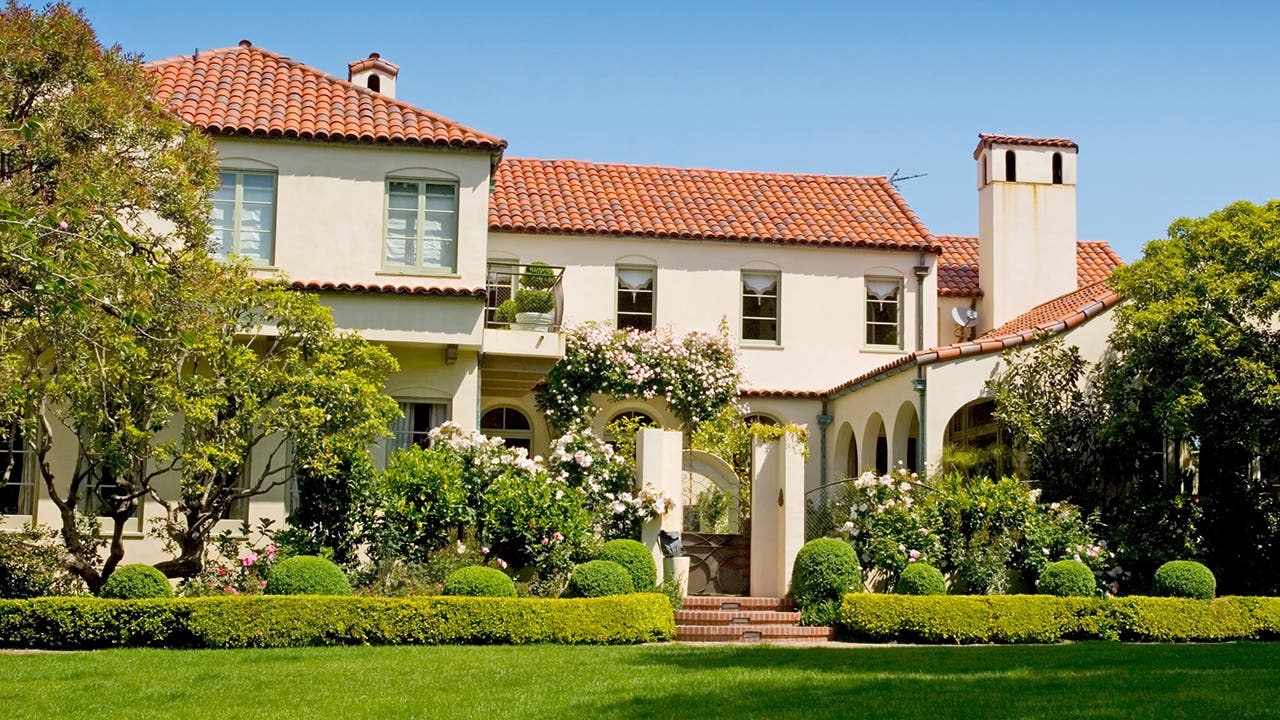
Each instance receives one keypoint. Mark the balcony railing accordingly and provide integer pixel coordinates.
(524, 297)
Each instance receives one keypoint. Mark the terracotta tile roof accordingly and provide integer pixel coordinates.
(986, 140)
(246, 90)
(1056, 316)
(958, 265)
(763, 393)
(387, 288)
(573, 197)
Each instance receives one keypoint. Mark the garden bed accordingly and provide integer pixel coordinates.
(77, 623)
(958, 619)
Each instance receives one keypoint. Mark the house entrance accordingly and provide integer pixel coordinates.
(716, 529)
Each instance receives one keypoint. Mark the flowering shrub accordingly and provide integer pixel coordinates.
(975, 529)
(235, 565)
(606, 480)
(697, 373)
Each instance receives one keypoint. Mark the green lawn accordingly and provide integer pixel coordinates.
(1093, 680)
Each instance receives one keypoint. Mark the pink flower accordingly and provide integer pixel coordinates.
(557, 537)
(249, 559)
(271, 552)
(544, 541)
(484, 550)
(231, 590)
(264, 583)
(915, 554)
(222, 571)
(62, 225)
(502, 563)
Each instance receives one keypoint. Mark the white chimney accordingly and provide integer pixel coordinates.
(374, 73)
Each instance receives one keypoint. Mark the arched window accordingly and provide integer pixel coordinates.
(1010, 166)
(1057, 168)
(374, 83)
(984, 170)
(758, 419)
(644, 419)
(509, 424)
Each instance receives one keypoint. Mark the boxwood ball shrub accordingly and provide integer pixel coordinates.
(1068, 578)
(599, 578)
(479, 581)
(307, 575)
(825, 569)
(1185, 578)
(137, 582)
(921, 579)
(636, 558)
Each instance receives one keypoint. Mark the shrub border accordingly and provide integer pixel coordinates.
(82, 623)
(965, 619)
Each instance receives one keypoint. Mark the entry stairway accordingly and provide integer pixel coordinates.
(729, 618)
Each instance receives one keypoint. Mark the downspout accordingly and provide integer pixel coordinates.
(920, 385)
(824, 422)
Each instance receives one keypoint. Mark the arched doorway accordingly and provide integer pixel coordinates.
(715, 533)
(975, 441)
(846, 460)
(906, 437)
(876, 442)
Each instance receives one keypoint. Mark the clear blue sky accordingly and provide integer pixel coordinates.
(1174, 104)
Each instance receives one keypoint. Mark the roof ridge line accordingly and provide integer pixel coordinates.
(774, 173)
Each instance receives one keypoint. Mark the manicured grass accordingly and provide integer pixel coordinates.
(1085, 680)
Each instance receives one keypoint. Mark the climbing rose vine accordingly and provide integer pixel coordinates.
(698, 374)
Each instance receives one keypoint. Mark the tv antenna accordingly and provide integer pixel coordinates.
(895, 178)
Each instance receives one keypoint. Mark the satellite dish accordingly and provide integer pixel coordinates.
(965, 317)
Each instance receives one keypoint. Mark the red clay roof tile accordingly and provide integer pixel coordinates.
(986, 140)
(246, 90)
(573, 197)
(958, 265)
(328, 286)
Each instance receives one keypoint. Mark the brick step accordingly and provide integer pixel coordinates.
(737, 602)
(748, 633)
(736, 617)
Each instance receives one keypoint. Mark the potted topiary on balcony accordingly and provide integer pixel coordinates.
(505, 313)
(534, 301)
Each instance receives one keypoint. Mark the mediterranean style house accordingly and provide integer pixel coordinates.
(855, 321)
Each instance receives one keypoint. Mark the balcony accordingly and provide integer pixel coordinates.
(523, 312)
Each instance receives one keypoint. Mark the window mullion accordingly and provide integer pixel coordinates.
(422, 225)
(236, 206)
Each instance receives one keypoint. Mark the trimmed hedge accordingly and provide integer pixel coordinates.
(921, 579)
(1068, 578)
(1184, 578)
(479, 581)
(636, 558)
(825, 569)
(960, 619)
(307, 575)
(599, 578)
(82, 623)
(136, 582)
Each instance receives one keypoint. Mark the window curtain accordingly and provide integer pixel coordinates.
(760, 284)
(882, 290)
(635, 280)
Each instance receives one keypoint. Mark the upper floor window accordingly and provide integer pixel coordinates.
(422, 226)
(760, 306)
(17, 488)
(636, 294)
(1057, 168)
(884, 312)
(244, 216)
(1010, 166)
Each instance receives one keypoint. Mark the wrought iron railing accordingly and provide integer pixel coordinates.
(506, 281)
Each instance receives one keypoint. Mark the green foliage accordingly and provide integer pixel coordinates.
(307, 575)
(506, 312)
(242, 622)
(530, 521)
(424, 501)
(31, 566)
(331, 508)
(1068, 578)
(921, 579)
(634, 557)
(825, 569)
(479, 581)
(538, 275)
(529, 300)
(136, 582)
(1185, 579)
(697, 373)
(671, 588)
(599, 578)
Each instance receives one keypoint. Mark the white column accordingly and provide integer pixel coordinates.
(777, 513)
(658, 465)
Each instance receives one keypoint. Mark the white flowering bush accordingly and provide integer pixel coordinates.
(975, 529)
(697, 374)
(583, 461)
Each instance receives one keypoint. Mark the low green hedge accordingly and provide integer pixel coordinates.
(82, 623)
(962, 619)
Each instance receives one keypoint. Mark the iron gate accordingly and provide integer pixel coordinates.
(718, 564)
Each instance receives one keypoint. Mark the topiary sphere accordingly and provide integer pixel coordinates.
(636, 558)
(825, 570)
(921, 579)
(307, 575)
(135, 582)
(1067, 578)
(598, 578)
(1185, 578)
(479, 581)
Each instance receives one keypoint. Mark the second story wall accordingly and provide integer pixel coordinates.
(821, 294)
(335, 205)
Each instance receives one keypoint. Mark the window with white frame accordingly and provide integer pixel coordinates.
(17, 484)
(244, 216)
(636, 296)
(760, 306)
(884, 312)
(500, 286)
(414, 426)
(509, 424)
(422, 226)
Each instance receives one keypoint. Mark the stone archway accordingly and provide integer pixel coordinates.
(715, 536)
(846, 459)
(875, 445)
(906, 437)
